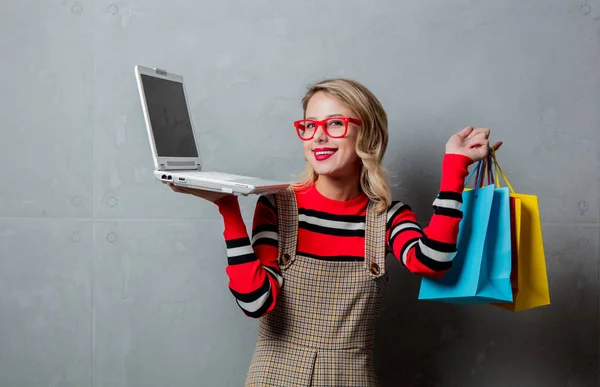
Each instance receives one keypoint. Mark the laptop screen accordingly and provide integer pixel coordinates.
(169, 117)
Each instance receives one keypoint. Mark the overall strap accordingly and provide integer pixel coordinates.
(375, 243)
(287, 214)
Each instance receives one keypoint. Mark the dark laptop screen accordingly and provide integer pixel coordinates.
(169, 117)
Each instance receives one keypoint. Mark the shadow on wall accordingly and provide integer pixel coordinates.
(410, 331)
(428, 344)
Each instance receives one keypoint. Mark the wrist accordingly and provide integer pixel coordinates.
(227, 205)
(458, 157)
(455, 168)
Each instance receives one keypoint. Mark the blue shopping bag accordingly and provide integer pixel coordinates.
(481, 268)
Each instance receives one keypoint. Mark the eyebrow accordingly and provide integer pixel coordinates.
(329, 116)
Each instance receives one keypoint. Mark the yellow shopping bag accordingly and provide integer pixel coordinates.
(529, 277)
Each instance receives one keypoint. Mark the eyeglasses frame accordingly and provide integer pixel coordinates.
(321, 123)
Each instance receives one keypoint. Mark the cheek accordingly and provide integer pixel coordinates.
(306, 148)
(350, 148)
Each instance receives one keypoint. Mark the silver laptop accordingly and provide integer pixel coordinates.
(173, 143)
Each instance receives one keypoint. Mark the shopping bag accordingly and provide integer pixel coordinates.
(481, 268)
(515, 235)
(529, 274)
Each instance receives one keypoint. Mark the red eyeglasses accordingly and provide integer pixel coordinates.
(335, 127)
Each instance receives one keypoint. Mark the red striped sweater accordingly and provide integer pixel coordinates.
(335, 230)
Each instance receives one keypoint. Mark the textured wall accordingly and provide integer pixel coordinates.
(109, 279)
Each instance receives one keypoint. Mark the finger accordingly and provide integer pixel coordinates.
(176, 188)
(476, 137)
(465, 132)
(479, 142)
(497, 145)
(481, 132)
(186, 190)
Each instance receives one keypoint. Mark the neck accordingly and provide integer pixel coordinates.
(338, 188)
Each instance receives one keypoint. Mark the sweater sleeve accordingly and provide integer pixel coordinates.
(254, 275)
(429, 252)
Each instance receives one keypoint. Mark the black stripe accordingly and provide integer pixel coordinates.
(240, 242)
(245, 258)
(432, 264)
(264, 200)
(262, 310)
(340, 258)
(271, 275)
(330, 231)
(241, 259)
(336, 217)
(253, 295)
(275, 269)
(449, 195)
(265, 242)
(264, 227)
(400, 210)
(419, 230)
(450, 212)
(408, 243)
(442, 247)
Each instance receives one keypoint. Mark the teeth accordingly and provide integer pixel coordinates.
(321, 153)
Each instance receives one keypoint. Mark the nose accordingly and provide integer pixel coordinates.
(320, 134)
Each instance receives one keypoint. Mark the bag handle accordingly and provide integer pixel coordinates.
(478, 171)
(489, 168)
(486, 169)
(473, 172)
(498, 169)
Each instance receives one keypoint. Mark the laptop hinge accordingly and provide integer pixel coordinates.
(195, 167)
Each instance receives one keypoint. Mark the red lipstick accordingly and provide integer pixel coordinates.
(323, 153)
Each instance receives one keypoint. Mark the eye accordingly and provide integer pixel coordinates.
(309, 125)
(336, 123)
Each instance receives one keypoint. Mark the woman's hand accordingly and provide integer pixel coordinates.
(207, 195)
(471, 143)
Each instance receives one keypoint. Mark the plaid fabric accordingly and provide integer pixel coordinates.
(321, 331)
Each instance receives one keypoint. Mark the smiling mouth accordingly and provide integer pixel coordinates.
(321, 155)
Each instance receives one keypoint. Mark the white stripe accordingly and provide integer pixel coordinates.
(332, 223)
(392, 211)
(404, 226)
(265, 234)
(238, 251)
(434, 254)
(405, 255)
(277, 276)
(448, 203)
(253, 306)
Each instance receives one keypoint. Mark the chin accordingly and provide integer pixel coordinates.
(329, 171)
(319, 170)
(332, 169)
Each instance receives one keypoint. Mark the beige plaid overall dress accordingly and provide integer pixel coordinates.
(321, 331)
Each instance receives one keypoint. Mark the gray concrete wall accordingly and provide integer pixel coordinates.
(108, 279)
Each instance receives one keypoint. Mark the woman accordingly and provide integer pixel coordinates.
(314, 270)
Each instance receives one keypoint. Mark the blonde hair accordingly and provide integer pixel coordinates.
(372, 137)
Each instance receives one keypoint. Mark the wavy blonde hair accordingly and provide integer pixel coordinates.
(372, 139)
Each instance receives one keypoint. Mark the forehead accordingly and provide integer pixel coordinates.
(324, 104)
